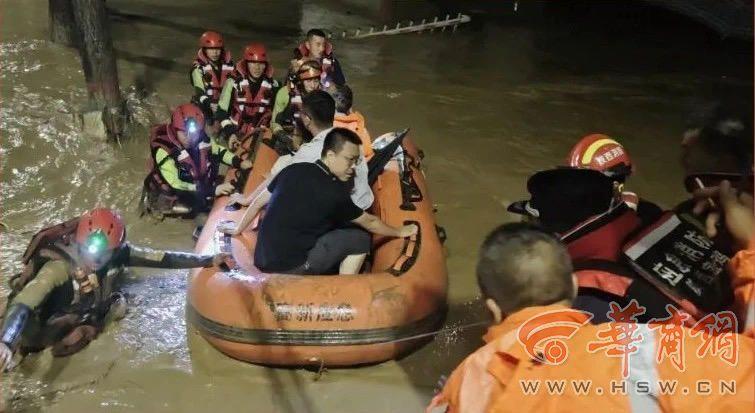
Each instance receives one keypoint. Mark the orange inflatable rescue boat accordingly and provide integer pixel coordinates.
(335, 320)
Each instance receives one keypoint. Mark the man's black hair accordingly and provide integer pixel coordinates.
(316, 32)
(522, 265)
(320, 107)
(336, 138)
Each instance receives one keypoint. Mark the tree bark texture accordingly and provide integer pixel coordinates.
(62, 26)
(98, 61)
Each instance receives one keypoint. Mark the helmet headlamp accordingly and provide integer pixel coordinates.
(96, 243)
(191, 126)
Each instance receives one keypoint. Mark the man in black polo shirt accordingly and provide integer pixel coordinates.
(307, 228)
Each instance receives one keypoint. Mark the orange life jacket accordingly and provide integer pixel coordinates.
(354, 121)
(499, 376)
(743, 271)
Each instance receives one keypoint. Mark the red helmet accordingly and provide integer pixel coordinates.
(309, 70)
(188, 118)
(211, 39)
(255, 52)
(100, 229)
(601, 153)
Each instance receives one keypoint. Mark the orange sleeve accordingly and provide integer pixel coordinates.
(743, 282)
(449, 396)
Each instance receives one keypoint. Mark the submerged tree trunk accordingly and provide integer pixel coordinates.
(98, 62)
(62, 26)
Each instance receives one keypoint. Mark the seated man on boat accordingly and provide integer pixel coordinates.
(245, 105)
(317, 47)
(318, 111)
(212, 67)
(67, 288)
(308, 227)
(185, 162)
(348, 118)
(289, 99)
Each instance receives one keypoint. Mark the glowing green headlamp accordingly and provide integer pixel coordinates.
(191, 126)
(96, 242)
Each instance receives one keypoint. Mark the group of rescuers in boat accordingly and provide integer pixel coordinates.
(563, 264)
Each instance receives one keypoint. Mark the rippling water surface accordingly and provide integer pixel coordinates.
(504, 96)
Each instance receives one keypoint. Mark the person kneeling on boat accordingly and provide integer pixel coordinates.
(185, 161)
(66, 291)
(308, 226)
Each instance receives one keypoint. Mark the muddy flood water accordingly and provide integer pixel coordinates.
(504, 96)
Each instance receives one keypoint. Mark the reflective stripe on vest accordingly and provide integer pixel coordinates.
(250, 108)
(163, 138)
(215, 84)
(297, 102)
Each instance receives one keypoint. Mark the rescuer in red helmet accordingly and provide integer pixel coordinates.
(246, 102)
(212, 67)
(66, 290)
(184, 164)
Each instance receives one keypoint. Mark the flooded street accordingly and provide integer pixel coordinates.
(504, 96)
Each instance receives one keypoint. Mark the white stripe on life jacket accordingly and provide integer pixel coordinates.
(207, 67)
(227, 67)
(260, 109)
(243, 83)
(651, 238)
(266, 84)
(265, 101)
(296, 99)
(326, 61)
(642, 369)
(204, 145)
(183, 155)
